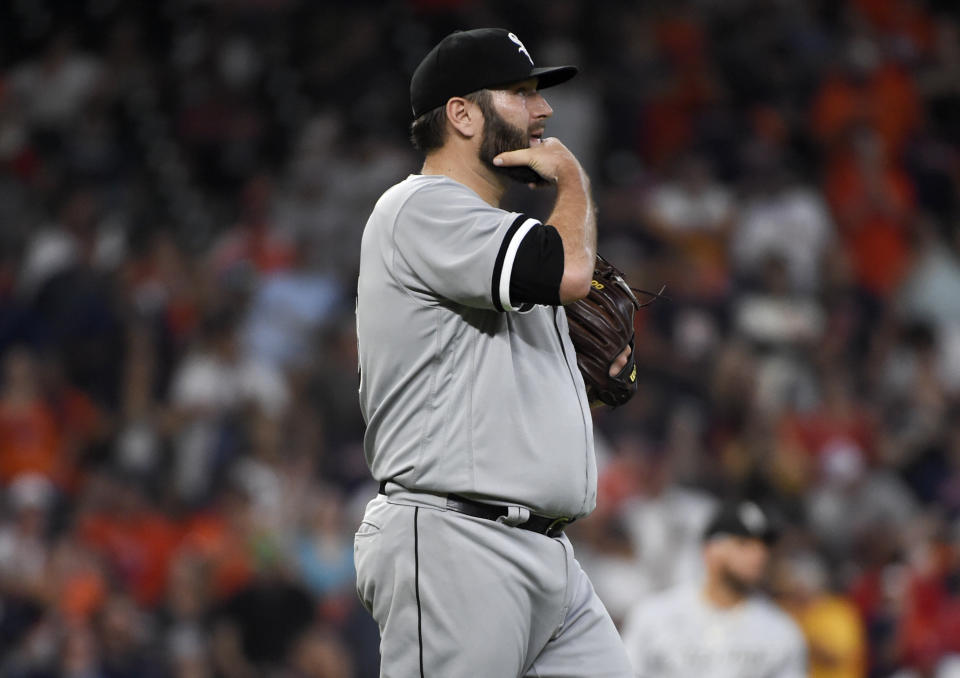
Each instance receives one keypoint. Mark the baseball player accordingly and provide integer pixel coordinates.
(721, 627)
(478, 425)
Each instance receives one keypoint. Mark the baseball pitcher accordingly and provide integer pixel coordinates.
(478, 420)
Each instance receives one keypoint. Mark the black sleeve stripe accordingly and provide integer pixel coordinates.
(498, 264)
(538, 268)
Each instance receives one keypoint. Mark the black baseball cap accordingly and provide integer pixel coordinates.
(741, 519)
(467, 61)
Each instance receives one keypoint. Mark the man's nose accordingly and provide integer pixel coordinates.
(540, 108)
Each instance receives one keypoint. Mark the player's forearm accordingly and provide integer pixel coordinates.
(575, 218)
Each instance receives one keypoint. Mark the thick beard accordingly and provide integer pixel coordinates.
(738, 584)
(499, 136)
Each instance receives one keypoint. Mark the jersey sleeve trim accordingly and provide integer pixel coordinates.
(538, 268)
(503, 266)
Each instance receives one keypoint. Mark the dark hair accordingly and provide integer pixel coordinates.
(429, 131)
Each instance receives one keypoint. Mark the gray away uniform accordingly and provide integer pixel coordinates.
(468, 388)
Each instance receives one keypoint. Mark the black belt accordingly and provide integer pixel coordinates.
(552, 527)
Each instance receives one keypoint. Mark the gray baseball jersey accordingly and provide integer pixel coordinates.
(677, 634)
(464, 389)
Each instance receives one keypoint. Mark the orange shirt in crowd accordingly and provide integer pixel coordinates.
(667, 125)
(81, 594)
(30, 441)
(78, 582)
(873, 213)
(229, 557)
(139, 549)
(886, 100)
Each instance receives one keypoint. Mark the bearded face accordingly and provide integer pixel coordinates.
(741, 584)
(743, 564)
(499, 136)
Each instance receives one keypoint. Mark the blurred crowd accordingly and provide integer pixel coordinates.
(183, 185)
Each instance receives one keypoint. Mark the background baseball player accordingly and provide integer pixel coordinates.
(720, 627)
(479, 428)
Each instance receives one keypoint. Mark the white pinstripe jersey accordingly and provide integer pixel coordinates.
(463, 390)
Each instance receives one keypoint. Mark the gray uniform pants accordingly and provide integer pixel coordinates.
(463, 597)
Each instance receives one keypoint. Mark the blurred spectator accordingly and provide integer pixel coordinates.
(138, 438)
(188, 598)
(783, 218)
(908, 26)
(24, 552)
(324, 555)
(838, 433)
(77, 580)
(872, 198)
(865, 90)
(30, 439)
(320, 654)
(772, 316)
(831, 624)
(929, 294)
(287, 311)
(783, 326)
(213, 384)
(255, 246)
(134, 537)
(664, 521)
(53, 88)
(66, 276)
(918, 407)
(79, 653)
(694, 213)
(851, 501)
(125, 637)
(937, 77)
(683, 88)
(221, 122)
(931, 290)
(931, 615)
(645, 534)
(337, 454)
(223, 537)
(259, 626)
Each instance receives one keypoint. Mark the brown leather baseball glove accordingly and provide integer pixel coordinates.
(601, 327)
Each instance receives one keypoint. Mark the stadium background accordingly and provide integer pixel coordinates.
(183, 186)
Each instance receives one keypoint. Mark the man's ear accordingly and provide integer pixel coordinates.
(464, 116)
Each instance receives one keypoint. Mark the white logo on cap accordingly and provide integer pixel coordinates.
(522, 50)
(752, 517)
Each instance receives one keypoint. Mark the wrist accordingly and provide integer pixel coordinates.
(572, 176)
